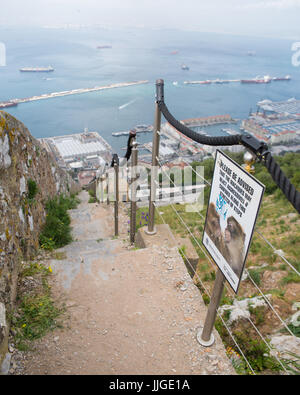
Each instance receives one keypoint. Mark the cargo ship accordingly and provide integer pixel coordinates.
(286, 78)
(8, 104)
(218, 81)
(258, 80)
(37, 69)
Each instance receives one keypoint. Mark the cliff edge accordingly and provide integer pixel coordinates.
(29, 176)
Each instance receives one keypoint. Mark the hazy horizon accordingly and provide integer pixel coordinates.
(265, 18)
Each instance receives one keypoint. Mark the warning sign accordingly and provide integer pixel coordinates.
(234, 202)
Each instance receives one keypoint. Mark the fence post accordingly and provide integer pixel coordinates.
(101, 189)
(107, 187)
(133, 176)
(116, 168)
(155, 154)
(205, 336)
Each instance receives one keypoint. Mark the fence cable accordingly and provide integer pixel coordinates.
(256, 231)
(208, 258)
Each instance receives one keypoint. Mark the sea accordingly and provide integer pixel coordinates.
(138, 54)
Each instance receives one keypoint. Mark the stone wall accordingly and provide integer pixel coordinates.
(28, 178)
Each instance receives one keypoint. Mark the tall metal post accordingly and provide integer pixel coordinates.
(116, 211)
(133, 177)
(155, 153)
(205, 336)
(107, 186)
(101, 189)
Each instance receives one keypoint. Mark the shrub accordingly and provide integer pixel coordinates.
(56, 231)
(32, 189)
(36, 312)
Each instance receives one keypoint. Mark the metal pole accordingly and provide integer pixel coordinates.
(101, 189)
(116, 168)
(134, 161)
(155, 154)
(205, 336)
(107, 188)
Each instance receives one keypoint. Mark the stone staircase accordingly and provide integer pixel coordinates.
(130, 311)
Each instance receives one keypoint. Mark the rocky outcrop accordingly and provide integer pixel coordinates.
(29, 176)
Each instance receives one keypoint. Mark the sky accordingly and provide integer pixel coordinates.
(275, 18)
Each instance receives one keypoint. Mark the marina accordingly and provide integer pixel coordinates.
(13, 102)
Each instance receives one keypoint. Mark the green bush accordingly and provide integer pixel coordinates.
(36, 312)
(32, 189)
(56, 231)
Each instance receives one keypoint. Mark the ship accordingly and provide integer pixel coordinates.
(103, 46)
(8, 104)
(218, 81)
(184, 67)
(205, 82)
(174, 52)
(258, 80)
(37, 69)
(286, 78)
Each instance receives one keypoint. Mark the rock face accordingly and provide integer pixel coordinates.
(28, 177)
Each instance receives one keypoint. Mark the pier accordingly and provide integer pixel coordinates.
(265, 79)
(15, 102)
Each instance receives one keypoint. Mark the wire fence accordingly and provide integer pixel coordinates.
(187, 232)
(190, 234)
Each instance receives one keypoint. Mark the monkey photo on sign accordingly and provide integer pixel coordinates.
(213, 228)
(234, 238)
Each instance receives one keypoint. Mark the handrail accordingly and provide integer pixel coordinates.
(259, 148)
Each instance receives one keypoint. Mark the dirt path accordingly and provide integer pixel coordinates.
(130, 311)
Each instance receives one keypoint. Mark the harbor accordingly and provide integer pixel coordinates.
(14, 102)
(257, 80)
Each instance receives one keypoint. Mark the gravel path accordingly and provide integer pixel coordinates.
(130, 311)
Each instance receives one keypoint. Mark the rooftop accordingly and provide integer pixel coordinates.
(72, 147)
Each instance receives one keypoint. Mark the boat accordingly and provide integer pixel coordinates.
(258, 80)
(184, 67)
(286, 78)
(8, 104)
(103, 46)
(37, 69)
(175, 83)
(218, 81)
(173, 52)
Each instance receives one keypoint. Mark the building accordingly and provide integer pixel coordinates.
(275, 122)
(82, 151)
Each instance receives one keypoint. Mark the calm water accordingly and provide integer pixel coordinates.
(137, 54)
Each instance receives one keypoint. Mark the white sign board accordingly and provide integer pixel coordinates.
(234, 202)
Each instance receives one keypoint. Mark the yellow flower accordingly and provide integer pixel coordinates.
(24, 325)
(50, 270)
